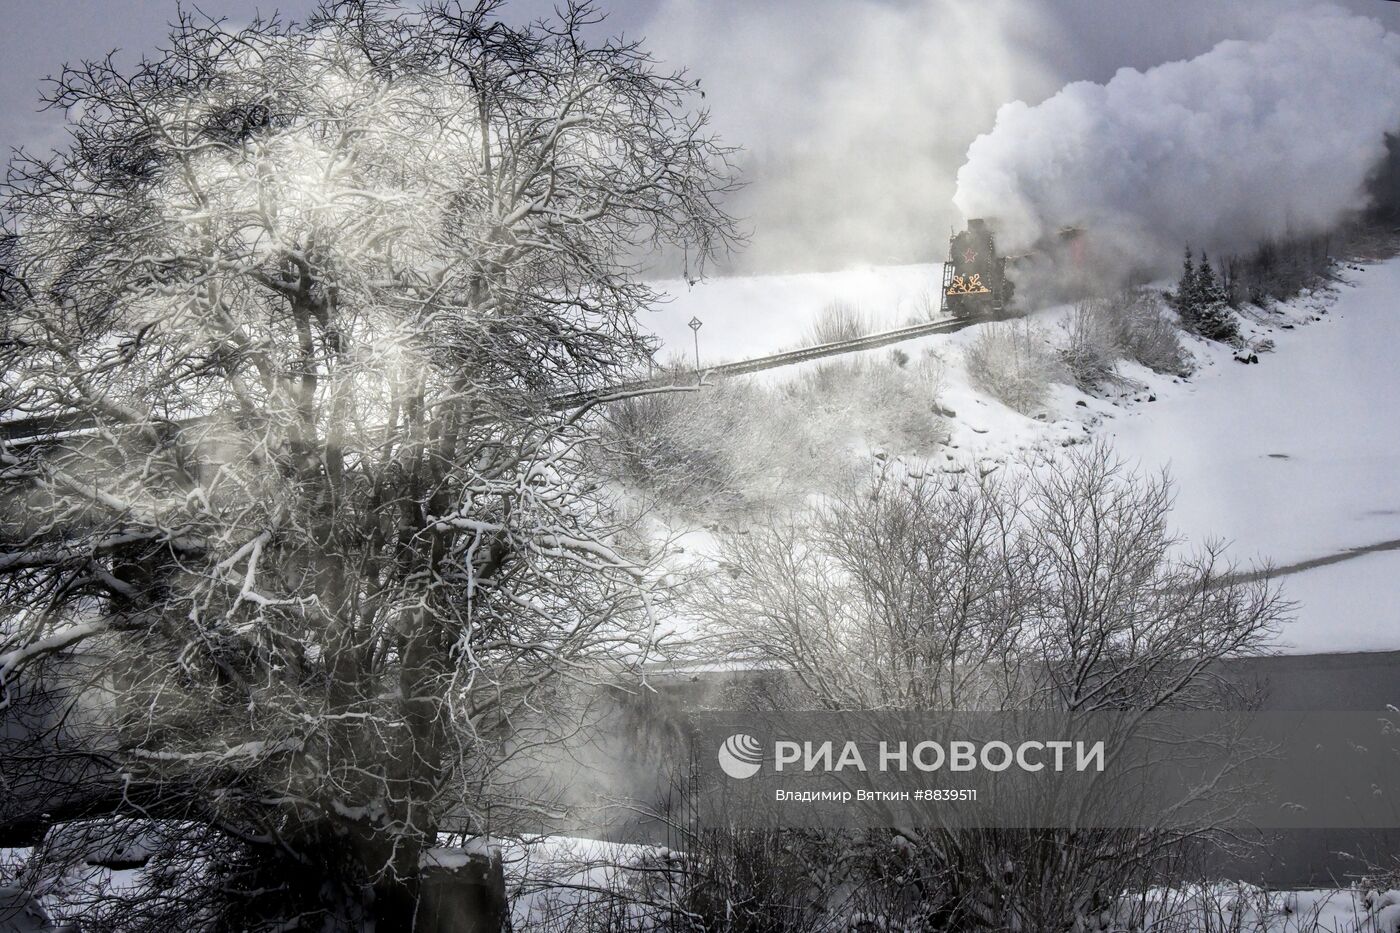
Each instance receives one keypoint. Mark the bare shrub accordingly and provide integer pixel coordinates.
(1059, 590)
(1147, 334)
(754, 881)
(874, 401)
(928, 306)
(758, 881)
(1131, 324)
(738, 444)
(569, 885)
(174, 875)
(1093, 346)
(1278, 269)
(1069, 538)
(805, 881)
(838, 321)
(654, 440)
(1240, 907)
(1013, 363)
(716, 449)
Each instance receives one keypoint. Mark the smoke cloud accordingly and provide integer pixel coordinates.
(1252, 139)
(854, 114)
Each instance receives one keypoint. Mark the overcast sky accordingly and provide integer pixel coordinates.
(855, 114)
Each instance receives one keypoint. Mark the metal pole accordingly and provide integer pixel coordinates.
(694, 324)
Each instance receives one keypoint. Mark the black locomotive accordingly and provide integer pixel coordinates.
(974, 277)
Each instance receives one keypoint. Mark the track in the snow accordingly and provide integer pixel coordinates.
(55, 427)
(774, 360)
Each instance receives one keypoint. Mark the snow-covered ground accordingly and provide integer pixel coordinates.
(1298, 458)
(755, 315)
(1244, 907)
(1292, 460)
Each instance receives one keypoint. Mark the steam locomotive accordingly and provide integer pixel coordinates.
(974, 277)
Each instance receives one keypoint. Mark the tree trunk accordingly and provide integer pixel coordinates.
(395, 906)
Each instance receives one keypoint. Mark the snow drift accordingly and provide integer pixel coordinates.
(1254, 138)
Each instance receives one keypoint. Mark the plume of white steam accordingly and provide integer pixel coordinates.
(1251, 139)
(855, 114)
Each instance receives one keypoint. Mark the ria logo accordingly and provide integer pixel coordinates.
(740, 756)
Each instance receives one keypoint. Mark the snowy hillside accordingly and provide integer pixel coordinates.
(1296, 460)
(1292, 461)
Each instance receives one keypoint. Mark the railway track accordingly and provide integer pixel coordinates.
(43, 428)
(775, 360)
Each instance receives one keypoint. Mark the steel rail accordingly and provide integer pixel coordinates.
(774, 360)
(41, 428)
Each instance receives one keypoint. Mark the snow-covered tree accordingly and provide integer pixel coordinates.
(1187, 288)
(287, 312)
(1203, 301)
(1213, 317)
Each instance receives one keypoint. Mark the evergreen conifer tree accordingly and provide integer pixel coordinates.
(1211, 317)
(1188, 292)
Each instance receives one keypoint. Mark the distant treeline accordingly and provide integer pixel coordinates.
(1278, 269)
(1384, 184)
